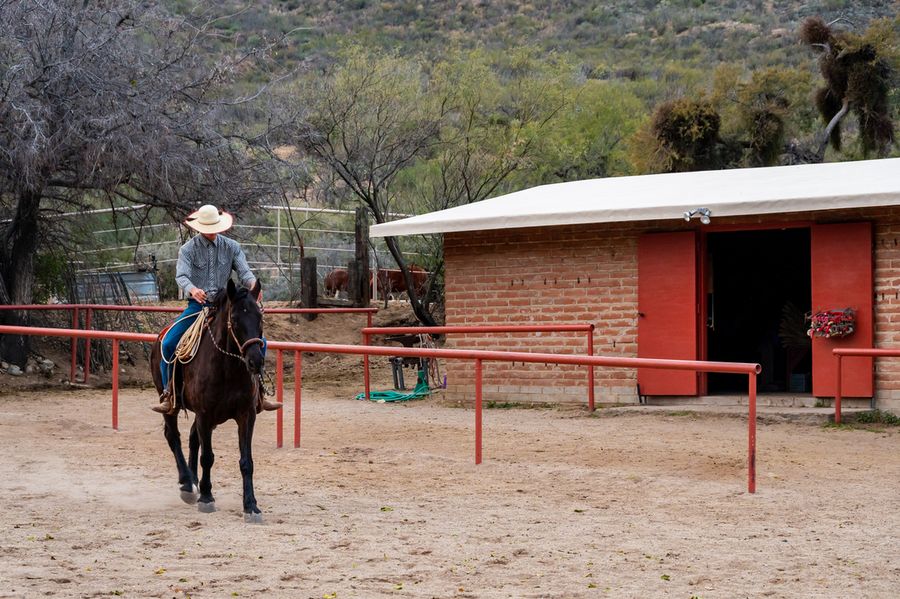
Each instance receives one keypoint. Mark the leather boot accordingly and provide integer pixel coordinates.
(166, 405)
(262, 403)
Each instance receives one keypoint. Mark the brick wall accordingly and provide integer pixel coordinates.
(886, 237)
(559, 275)
(588, 274)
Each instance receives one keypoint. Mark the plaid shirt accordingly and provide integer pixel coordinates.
(208, 264)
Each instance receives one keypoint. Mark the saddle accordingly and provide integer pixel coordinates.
(163, 332)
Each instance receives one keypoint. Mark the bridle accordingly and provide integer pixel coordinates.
(242, 347)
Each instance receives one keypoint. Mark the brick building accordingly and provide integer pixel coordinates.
(717, 265)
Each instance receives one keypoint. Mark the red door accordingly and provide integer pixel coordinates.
(841, 262)
(667, 310)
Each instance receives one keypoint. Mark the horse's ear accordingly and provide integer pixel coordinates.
(231, 290)
(255, 290)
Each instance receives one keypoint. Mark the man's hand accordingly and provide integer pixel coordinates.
(198, 294)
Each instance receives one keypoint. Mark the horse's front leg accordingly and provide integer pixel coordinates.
(186, 478)
(194, 451)
(245, 441)
(206, 503)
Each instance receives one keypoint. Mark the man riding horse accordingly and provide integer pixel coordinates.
(204, 266)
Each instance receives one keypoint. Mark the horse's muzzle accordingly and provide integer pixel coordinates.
(254, 360)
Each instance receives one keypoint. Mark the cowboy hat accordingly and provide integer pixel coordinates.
(209, 219)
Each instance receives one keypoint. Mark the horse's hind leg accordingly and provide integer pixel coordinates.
(245, 441)
(185, 476)
(206, 502)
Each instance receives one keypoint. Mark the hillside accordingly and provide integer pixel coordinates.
(513, 95)
(631, 39)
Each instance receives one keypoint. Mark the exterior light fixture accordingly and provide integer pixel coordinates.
(704, 214)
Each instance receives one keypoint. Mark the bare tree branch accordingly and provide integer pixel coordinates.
(119, 102)
(835, 120)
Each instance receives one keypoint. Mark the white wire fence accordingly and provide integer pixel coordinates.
(139, 238)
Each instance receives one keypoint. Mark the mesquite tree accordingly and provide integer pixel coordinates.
(401, 136)
(366, 120)
(114, 102)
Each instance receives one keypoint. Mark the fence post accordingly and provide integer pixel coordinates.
(751, 431)
(279, 395)
(366, 365)
(837, 392)
(309, 285)
(478, 408)
(75, 324)
(87, 346)
(590, 352)
(362, 294)
(298, 373)
(115, 384)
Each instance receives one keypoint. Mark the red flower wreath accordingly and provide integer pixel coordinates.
(832, 323)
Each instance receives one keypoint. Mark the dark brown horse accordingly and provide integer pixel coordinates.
(219, 384)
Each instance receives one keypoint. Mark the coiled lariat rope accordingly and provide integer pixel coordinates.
(190, 341)
(188, 344)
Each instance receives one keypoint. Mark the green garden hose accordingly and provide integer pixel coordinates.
(421, 390)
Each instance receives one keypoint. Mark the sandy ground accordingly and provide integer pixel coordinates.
(384, 500)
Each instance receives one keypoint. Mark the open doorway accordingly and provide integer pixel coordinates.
(758, 291)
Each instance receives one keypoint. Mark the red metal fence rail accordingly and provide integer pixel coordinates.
(462, 329)
(479, 356)
(858, 352)
(114, 336)
(89, 309)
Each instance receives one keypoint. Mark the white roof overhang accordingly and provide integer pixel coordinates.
(736, 192)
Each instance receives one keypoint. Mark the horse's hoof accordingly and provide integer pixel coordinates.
(207, 508)
(251, 518)
(190, 497)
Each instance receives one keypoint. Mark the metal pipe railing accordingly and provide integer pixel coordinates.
(175, 309)
(89, 308)
(858, 352)
(114, 336)
(466, 329)
(479, 356)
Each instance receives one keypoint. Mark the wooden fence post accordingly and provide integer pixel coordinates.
(362, 292)
(309, 285)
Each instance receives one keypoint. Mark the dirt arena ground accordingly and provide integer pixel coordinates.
(384, 500)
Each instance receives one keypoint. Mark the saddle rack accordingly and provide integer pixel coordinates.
(398, 363)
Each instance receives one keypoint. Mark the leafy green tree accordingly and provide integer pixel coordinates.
(589, 137)
(499, 114)
(400, 137)
(367, 118)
